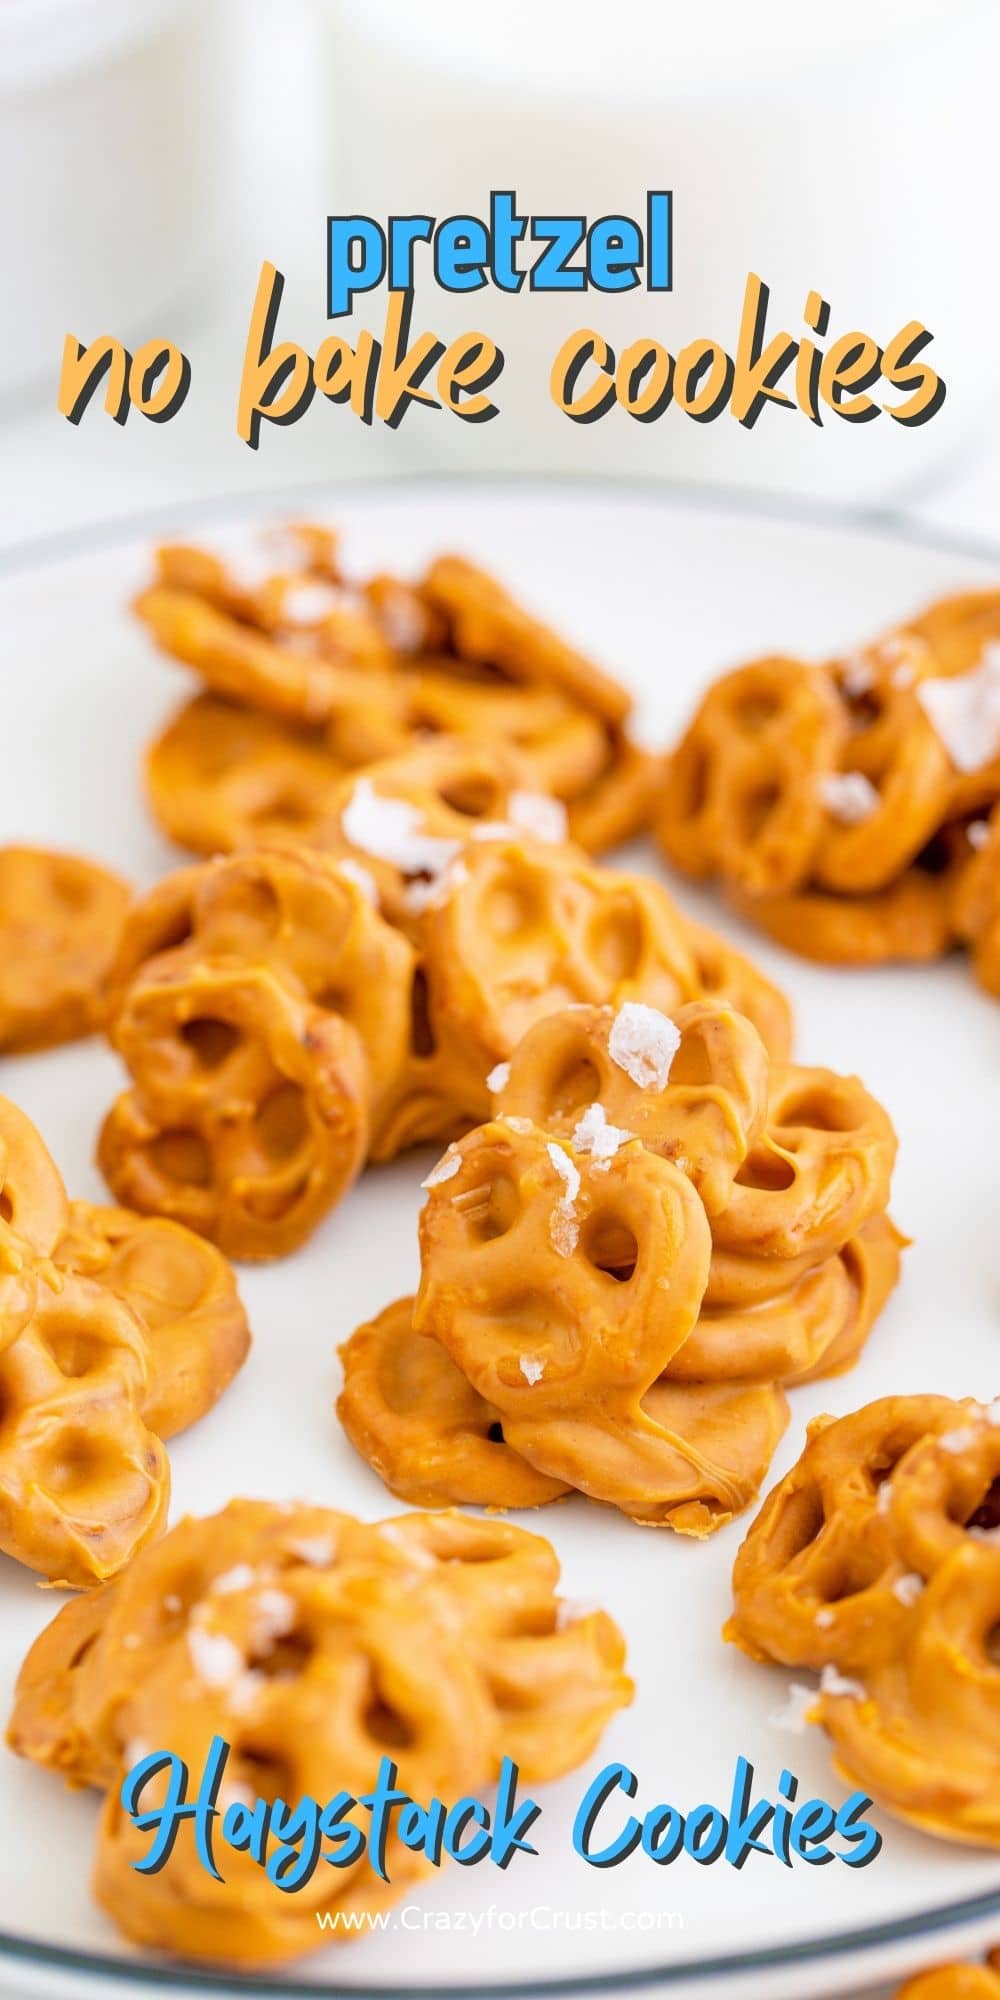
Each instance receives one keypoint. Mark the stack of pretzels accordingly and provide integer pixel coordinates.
(843, 806)
(315, 1646)
(656, 1230)
(308, 675)
(115, 1332)
(279, 1030)
(876, 1561)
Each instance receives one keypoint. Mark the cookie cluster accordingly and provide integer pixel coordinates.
(309, 674)
(315, 1646)
(279, 1030)
(876, 1562)
(841, 806)
(656, 1230)
(115, 1332)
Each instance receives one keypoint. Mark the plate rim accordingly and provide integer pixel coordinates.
(40, 552)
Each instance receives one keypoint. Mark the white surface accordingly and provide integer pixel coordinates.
(287, 166)
(668, 596)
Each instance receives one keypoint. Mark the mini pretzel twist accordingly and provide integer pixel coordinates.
(220, 777)
(114, 1333)
(59, 921)
(316, 1646)
(741, 793)
(877, 1555)
(183, 1292)
(261, 1007)
(408, 817)
(706, 1121)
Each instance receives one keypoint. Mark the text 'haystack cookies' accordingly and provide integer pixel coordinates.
(115, 1332)
(655, 1231)
(315, 1646)
(841, 805)
(876, 1563)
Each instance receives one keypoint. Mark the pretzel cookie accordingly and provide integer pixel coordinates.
(332, 674)
(261, 1006)
(114, 1333)
(875, 1561)
(839, 805)
(316, 1646)
(59, 922)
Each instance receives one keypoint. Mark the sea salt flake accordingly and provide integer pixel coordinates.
(516, 1124)
(173, 1603)
(643, 1042)
(360, 877)
(391, 830)
(825, 1618)
(499, 1078)
(573, 1610)
(535, 813)
(310, 603)
(595, 1136)
(883, 1498)
(493, 829)
(564, 1227)
(958, 1440)
(833, 1682)
(240, 1577)
(531, 1370)
(849, 797)
(243, 1692)
(965, 712)
(857, 675)
(317, 1551)
(274, 1614)
(797, 1710)
(430, 893)
(908, 1588)
(447, 1167)
(215, 1657)
(977, 833)
(131, 1641)
(991, 1411)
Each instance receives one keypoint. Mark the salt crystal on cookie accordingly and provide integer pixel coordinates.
(643, 1042)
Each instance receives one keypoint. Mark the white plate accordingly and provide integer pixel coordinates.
(669, 592)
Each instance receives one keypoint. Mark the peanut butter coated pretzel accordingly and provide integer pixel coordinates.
(114, 1333)
(59, 921)
(955, 1982)
(838, 805)
(316, 1646)
(656, 1229)
(221, 776)
(261, 1008)
(876, 1561)
(331, 675)
(976, 905)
